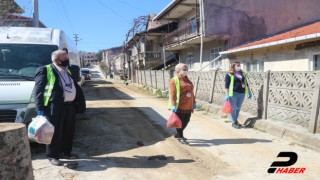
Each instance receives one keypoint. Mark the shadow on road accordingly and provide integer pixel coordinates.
(109, 130)
(92, 83)
(102, 131)
(95, 74)
(103, 163)
(217, 142)
(94, 91)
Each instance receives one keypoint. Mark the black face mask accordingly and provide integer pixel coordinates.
(64, 63)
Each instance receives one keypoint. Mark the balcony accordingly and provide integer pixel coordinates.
(152, 55)
(182, 34)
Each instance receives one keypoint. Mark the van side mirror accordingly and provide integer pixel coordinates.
(75, 72)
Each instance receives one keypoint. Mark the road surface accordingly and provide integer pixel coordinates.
(123, 136)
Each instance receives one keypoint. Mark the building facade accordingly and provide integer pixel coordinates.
(208, 27)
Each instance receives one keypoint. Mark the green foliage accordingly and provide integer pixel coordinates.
(159, 93)
(99, 55)
(200, 108)
(103, 67)
(8, 7)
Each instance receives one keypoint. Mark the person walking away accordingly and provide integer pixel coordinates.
(58, 97)
(236, 88)
(181, 99)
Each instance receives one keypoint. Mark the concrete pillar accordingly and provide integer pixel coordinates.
(313, 124)
(266, 84)
(15, 155)
(196, 86)
(213, 85)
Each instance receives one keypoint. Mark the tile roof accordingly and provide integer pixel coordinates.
(11, 16)
(301, 31)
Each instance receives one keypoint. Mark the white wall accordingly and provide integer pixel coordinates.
(206, 54)
(287, 65)
(281, 58)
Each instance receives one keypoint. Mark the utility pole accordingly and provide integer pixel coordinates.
(201, 30)
(35, 13)
(76, 38)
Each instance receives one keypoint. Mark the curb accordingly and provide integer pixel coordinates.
(278, 129)
(302, 138)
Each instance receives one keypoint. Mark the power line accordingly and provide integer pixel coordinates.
(59, 14)
(123, 2)
(86, 42)
(113, 11)
(66, 14)
(25, 7)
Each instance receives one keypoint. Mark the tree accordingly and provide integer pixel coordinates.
(139, 25)
(99, 55)
(8, 7)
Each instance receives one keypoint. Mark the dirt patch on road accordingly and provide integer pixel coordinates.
(118, 140)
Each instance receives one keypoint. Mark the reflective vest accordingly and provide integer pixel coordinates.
(51, 79)
(177, 82)
(232, 84)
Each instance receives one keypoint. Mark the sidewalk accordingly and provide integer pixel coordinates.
(290, 132)
(241, 153)
(248, 151)
(279, 129)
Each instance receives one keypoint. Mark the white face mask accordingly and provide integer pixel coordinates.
(183, 73)
(238, 68)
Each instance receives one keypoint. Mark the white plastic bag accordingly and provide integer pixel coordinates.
(40, 130)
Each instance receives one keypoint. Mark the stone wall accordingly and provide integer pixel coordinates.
(15, 155)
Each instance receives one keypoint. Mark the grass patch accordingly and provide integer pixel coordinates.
(159, 93)
(224, 116)
(260, 130)
(200, 108)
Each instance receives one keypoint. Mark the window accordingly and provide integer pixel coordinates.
(192, 24)
(23, 59)
(261, 66)
(254, 66)
(214, 53)
(316, 62)
(190, 61)
(248, 66)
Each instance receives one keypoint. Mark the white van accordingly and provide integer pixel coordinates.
(22, 51)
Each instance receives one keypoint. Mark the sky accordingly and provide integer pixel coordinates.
(100, 24)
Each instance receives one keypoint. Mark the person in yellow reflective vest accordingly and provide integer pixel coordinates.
(236, 88)
(181, 99)
(58, 96)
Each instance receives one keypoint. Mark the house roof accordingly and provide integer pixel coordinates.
(176, 9)
(306, 32)
(13, 18)
(167, 9)
(162, 28)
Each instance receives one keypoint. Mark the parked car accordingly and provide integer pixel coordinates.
(87, 73)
